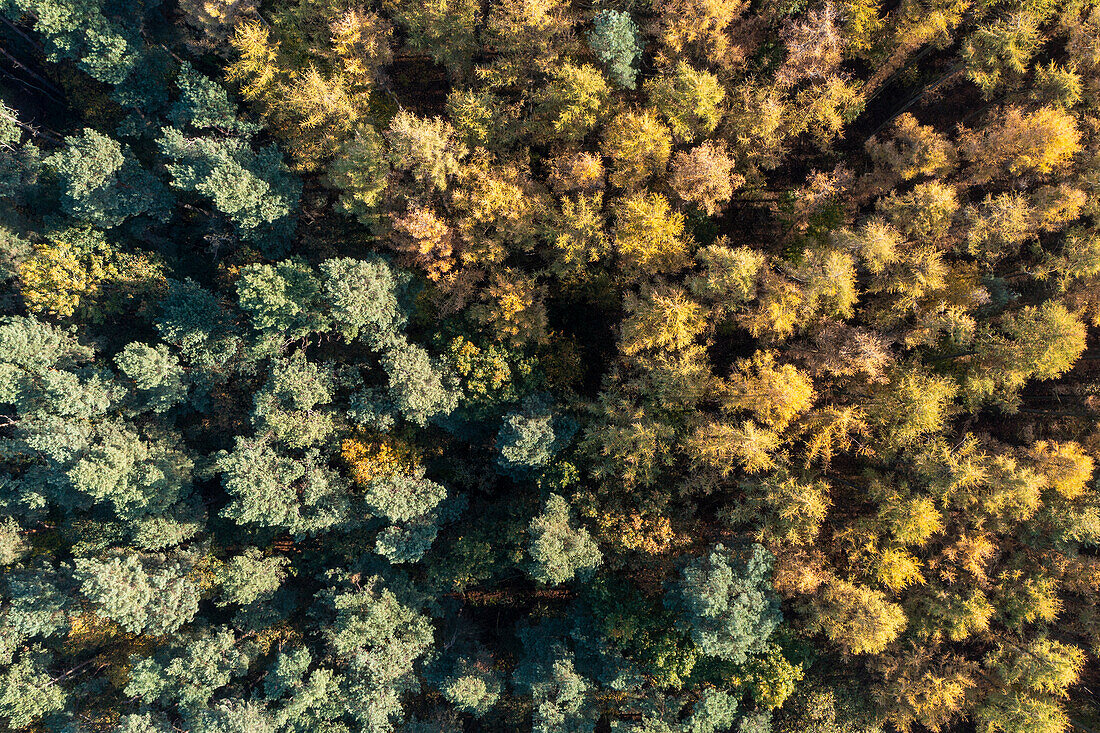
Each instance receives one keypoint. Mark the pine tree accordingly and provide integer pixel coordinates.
(526, 442)
(190, 671)
(291, 406)
(362, 296)
(80, 32)
(29, 691)
(726, 601)
(614, 40)
(203, 104)
(103, 184)
(283, 299)
(156, 373)
(400, 497)
(562, 696)
(253, 190)
(269, 488)
(151, 595)
(250, 577)
(559, 551)
(419, 389)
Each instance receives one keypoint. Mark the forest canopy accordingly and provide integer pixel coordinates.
(626, 366)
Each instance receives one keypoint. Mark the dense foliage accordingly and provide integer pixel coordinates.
(632, 366)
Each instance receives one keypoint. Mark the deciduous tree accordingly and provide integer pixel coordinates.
(649, 236)
(705, 177)
(689, 100)
(638, 146)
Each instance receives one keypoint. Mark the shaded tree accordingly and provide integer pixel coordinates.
(29, 691)
(253, 190)
(361, 170)
(704, 176)
(156, 373)
(103, 184)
